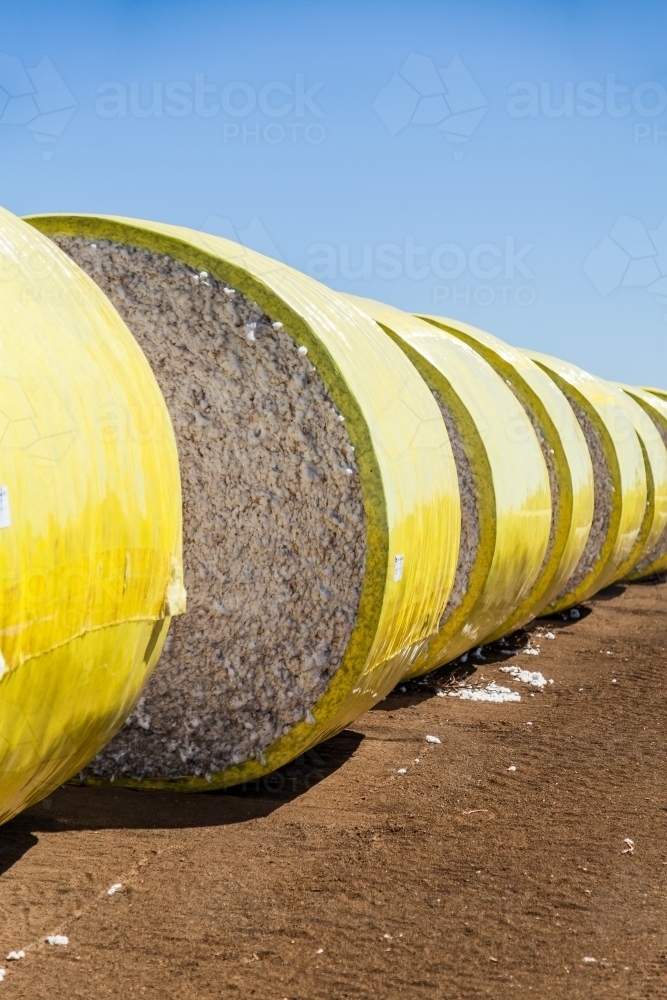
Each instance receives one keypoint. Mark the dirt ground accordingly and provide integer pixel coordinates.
(495, 866)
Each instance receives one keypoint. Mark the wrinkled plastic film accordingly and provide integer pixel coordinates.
(90, 518)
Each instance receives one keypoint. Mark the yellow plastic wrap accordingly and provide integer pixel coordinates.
(511, 481)
(605, 408)
(406, 466)
(90, 519)
(572, 468)
(660, 393)
(651, 426)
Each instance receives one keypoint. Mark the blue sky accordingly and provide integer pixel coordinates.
(502, 163)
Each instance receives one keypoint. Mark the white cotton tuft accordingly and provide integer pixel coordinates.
(492, 692)
(532, 677)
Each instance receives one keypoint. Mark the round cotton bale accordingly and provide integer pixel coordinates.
(90, 519)
(321, 509)
(619, 477)
(566, 455)
(652, 433)
(660, 393)
(503, 482)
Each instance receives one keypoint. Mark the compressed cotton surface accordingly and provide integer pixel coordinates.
(274, 527)
(603, 487)
(469, 543)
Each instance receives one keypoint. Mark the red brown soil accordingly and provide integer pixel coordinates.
(339, 877)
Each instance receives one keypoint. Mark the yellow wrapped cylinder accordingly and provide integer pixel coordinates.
(401, 461)
(509, 486)
(651, 426)
(660, 393)
(565, 451)
(90, 519)
(619, 473)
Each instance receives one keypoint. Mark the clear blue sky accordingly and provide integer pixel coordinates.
(504, 163)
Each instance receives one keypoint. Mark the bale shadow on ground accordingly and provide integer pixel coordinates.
(611, 592)
(14, 843)
(81, 807)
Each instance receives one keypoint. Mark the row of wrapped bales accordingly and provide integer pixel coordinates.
(506, 539)
(649, 416)
(565, 455)
(565, 451)
(619, 474)
(366, 495)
